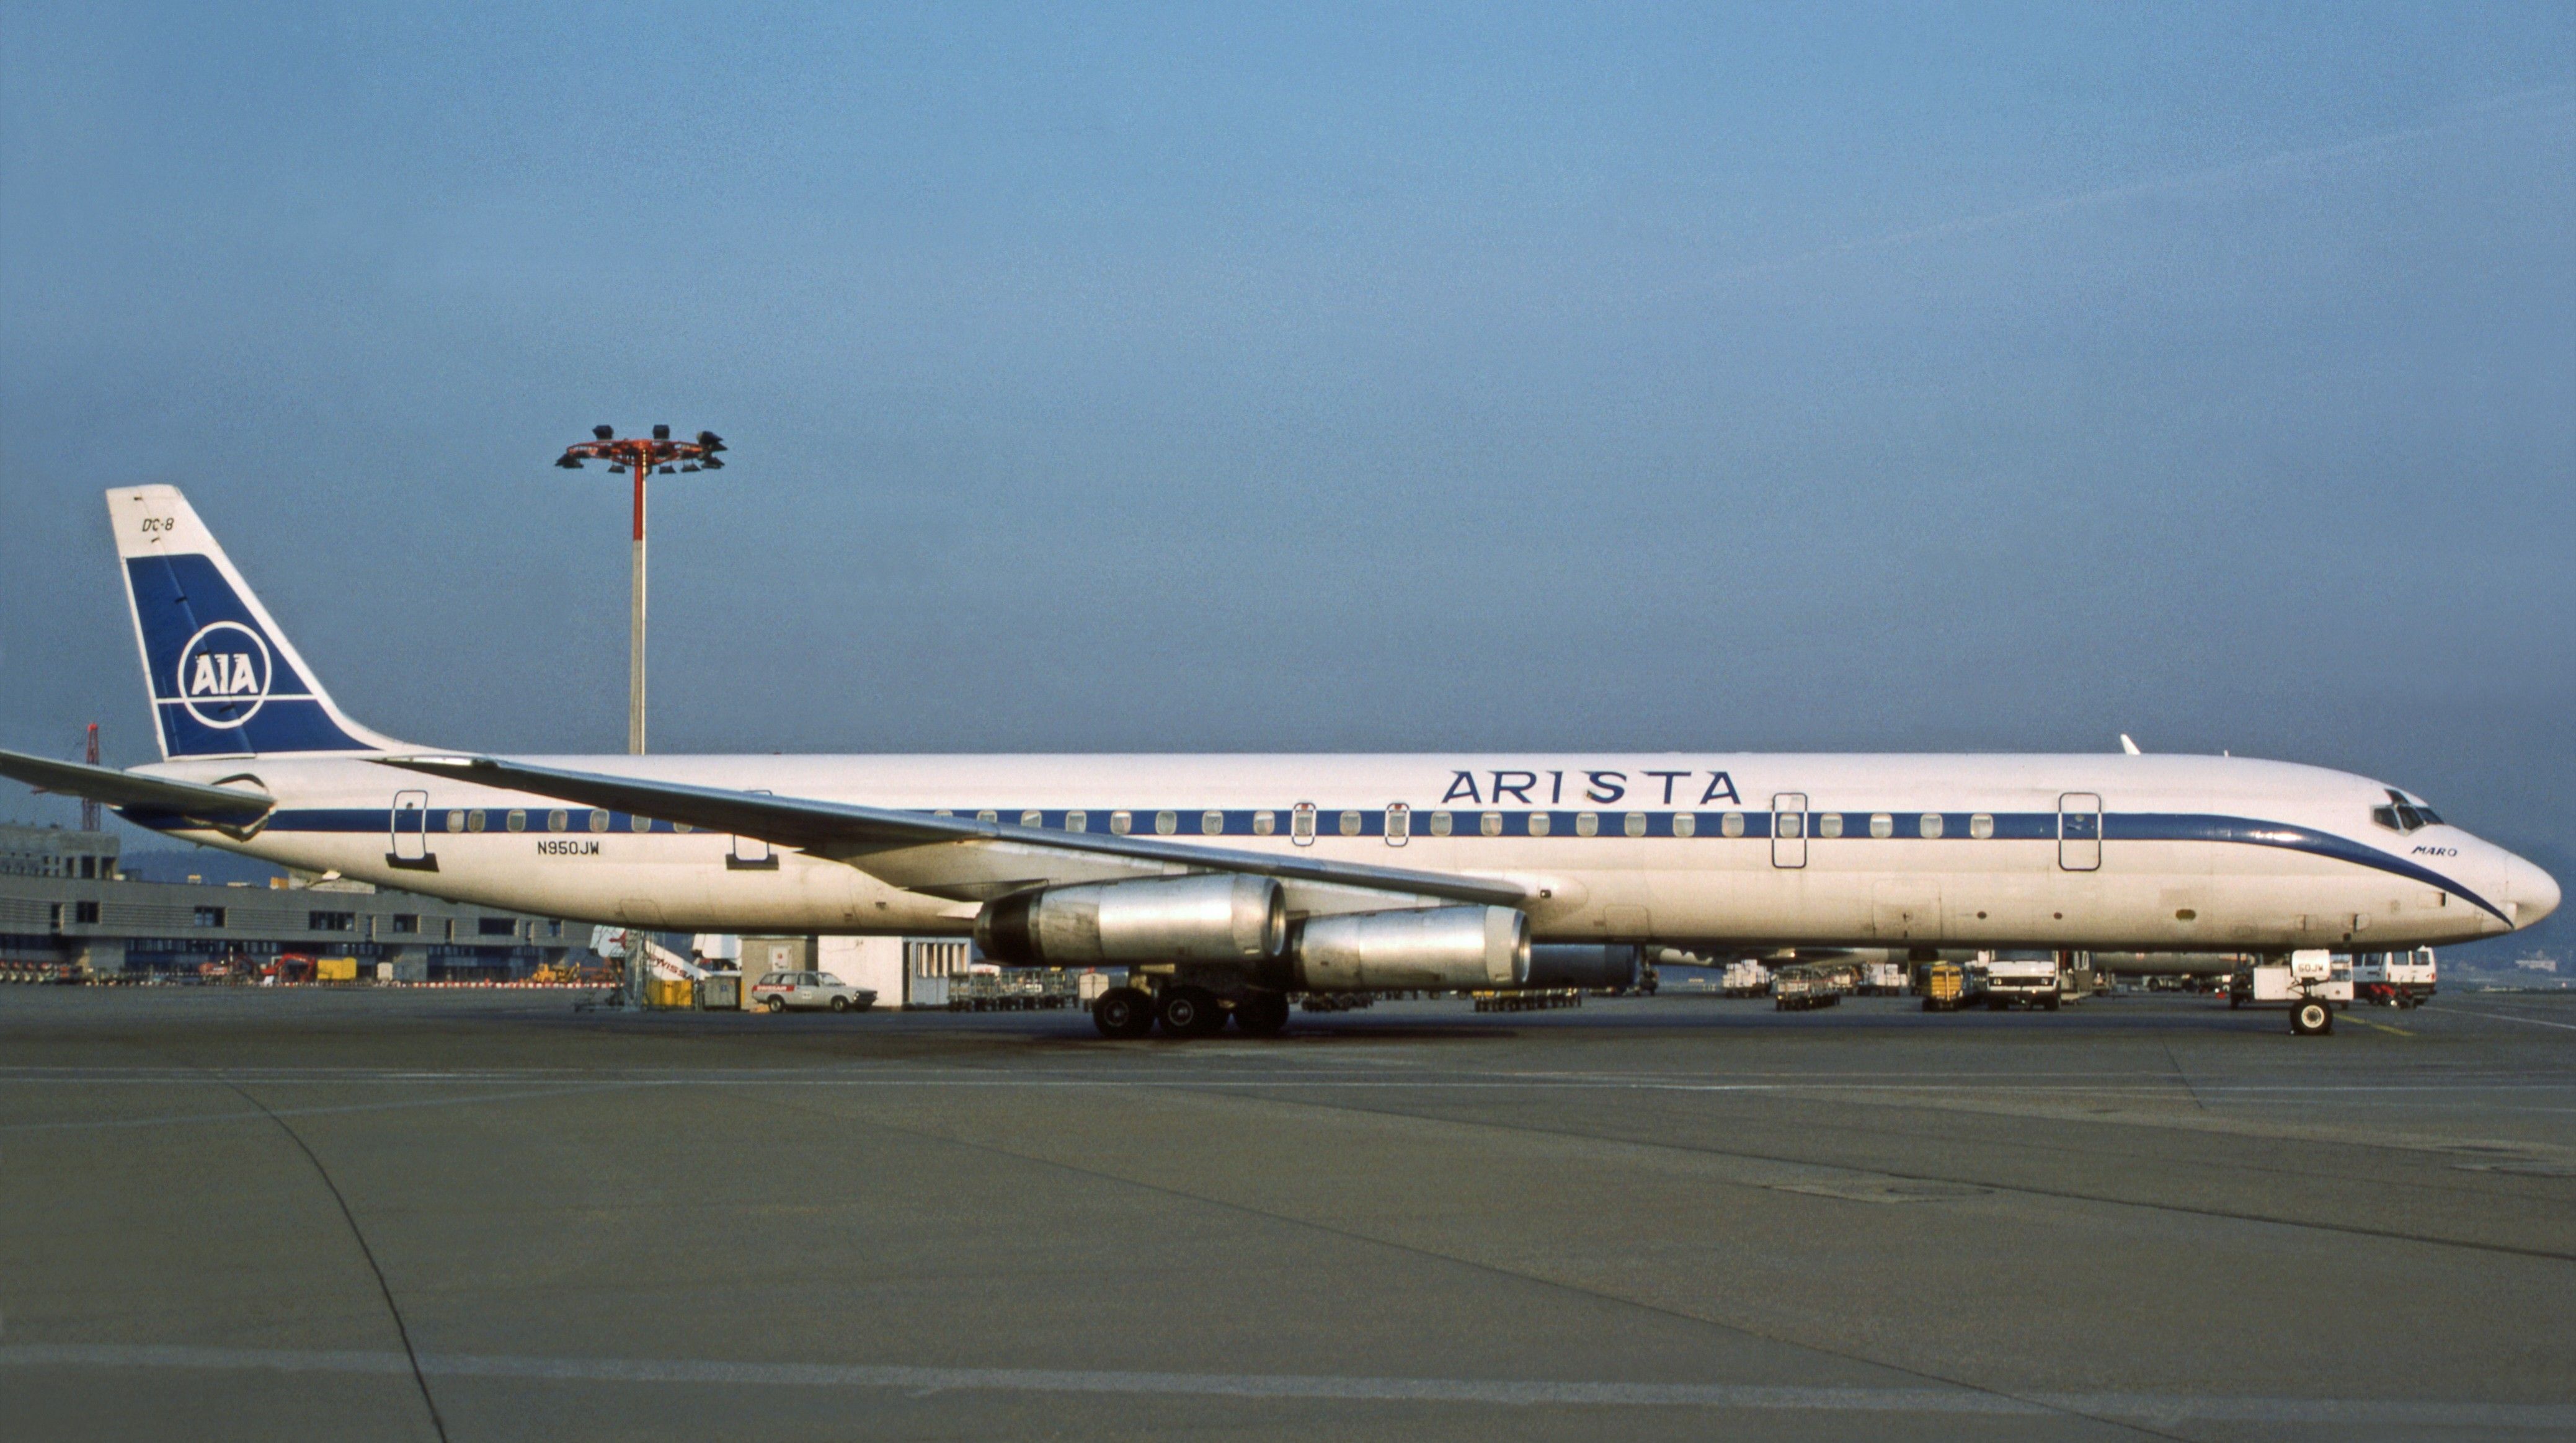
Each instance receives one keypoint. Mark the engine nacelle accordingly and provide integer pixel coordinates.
(1608, 966)
(1430, 947)
(1211, 918)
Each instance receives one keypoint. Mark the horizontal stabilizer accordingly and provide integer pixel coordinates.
(133, 790)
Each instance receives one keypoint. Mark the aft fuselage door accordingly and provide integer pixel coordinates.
(1789, 829)
(2079, 832)
(410, 838)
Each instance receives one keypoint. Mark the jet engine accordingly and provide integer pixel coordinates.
(1215, 917)
(1430, 947)
(1607, 966)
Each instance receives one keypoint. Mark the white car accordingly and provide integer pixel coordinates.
(778, 991)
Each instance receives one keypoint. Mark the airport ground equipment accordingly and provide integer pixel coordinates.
(2310, 983)
(1882, 979)
(1810, 985)
(1744, 978)
(644, 458)
(2394, 979)
(2021, 979)
(1529, 999)
(1945, 985)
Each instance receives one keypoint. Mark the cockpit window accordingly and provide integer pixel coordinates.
(2401, 815)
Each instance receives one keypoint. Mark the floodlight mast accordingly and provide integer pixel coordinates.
(642, 457)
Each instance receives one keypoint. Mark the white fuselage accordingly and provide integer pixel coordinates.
(2164, 853)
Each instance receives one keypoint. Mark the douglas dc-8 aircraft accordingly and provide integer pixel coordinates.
(1225, 883)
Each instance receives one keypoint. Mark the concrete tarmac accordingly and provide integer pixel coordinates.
(364, 1214)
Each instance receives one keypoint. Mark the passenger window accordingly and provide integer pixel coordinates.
(1439, 824)
(1399, 824)
(474, 820)
(1685, 824)
(1635, 825)
(1301, 824)
(1829, 824)
(1212, 823)
(1931, 824)
(987, 815)
(1167, 823)
(1587, 824)
(1881, 825)
(599, 821)
(1731, 825)
(1264, 823)
(1077, 821)
(1491, 824)
(1350, 824)
(1981, 825)
(558, 819)
(683, 828)
(1033, 818)
(1120, 822)
(1539, 824)
(517, 821)
(456, 821)
(641, 824)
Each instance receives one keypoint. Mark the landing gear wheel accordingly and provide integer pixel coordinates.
(1188, 1012)
(1123, 1012)
(1262, 1014)
(2310, 1018)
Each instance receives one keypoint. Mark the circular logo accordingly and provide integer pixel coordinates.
(224, 674)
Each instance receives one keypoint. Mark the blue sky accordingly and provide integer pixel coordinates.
(1131, 378)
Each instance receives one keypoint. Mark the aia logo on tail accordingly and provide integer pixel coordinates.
(224, 674)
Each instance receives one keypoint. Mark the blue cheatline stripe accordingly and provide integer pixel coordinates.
(1708, 826)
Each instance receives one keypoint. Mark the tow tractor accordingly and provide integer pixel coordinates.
(2309, 982)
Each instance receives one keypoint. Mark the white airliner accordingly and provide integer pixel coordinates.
(1227, 882)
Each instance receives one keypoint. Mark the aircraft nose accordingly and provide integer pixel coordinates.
(2533, 892)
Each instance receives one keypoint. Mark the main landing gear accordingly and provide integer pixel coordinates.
(1185, 1011)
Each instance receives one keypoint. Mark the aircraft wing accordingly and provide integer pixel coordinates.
(959, 857)
(132, 789)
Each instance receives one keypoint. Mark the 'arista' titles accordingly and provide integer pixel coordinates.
(1603, 786)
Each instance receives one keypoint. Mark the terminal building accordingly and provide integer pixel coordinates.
(68, 909)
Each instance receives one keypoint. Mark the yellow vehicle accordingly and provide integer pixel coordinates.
(1944, 984)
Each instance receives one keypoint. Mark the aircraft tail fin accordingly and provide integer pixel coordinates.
(223, 679)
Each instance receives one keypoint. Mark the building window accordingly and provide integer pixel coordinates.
(207, 917)
(89, 868)
(1212, 823)
(1829, 825)
(496, 927)
(1685, 824)
(1881, 825)
(405, 923)
(85, 914)
(331, 921)
(554, 928)
(1981, 826)
(1931, 824)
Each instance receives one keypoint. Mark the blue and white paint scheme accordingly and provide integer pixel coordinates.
(2109, 851)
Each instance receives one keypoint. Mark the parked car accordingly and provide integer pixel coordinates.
(778, 991)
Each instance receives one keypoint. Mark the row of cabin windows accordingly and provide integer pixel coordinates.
(1265, 823)
(1352, 823)
(558, 820)
(400, 924)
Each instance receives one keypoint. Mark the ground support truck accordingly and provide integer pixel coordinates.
(2310, 983)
